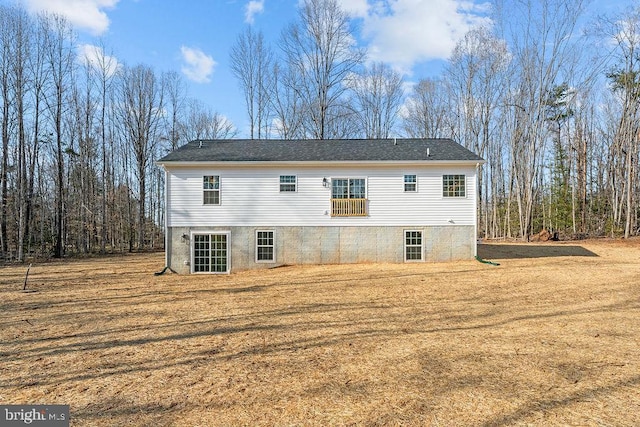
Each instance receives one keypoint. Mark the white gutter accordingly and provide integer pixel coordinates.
(216, 163)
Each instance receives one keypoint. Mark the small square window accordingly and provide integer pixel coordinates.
(287, 183)
(453, 186)
(410, 183)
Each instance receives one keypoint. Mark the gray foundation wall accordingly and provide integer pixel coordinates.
(326, 245)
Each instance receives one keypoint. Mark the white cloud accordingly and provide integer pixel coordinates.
(251, 9)
(355, 8)
(198, 65)
(95, 56)
(404, 32)
(82, 14)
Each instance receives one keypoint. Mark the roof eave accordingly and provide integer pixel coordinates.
(315, 163)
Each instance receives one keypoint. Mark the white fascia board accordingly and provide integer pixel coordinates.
(192, 164)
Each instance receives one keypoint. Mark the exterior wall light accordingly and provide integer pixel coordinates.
(325, 182)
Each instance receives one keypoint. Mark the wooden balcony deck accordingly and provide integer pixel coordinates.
(348, 207)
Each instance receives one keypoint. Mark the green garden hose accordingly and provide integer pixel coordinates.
(484, 261)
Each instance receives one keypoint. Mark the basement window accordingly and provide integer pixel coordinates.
(265, 246)
(413, 245)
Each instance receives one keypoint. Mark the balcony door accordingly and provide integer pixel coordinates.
(348, 197)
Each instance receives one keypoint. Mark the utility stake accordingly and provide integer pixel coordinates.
(24, 288)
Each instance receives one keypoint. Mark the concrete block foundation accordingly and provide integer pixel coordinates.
(324, 245)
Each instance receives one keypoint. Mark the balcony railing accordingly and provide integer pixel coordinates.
(348, 207)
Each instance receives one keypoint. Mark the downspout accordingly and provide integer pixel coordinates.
(475, 207)
(166, 225)
(166, 217)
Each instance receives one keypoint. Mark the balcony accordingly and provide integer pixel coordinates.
(348, 207)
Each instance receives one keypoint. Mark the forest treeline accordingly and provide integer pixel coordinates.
(551, 107)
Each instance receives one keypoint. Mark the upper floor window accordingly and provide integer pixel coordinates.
(211, 189)
(287, 183)
(410, 183)
(453, 186)
(348, 197)
(348, 188)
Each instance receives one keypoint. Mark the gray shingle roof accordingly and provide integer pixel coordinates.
(246, 150)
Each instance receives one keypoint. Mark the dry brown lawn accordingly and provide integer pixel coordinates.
(549, 337)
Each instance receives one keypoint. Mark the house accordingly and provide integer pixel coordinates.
(234, 205)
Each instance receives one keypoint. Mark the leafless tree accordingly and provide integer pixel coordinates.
(377, 96)
(19, 75)
(60, 62)
(38, 77)
(140, 114)
(203, 123)
(320, 52)
(288, 108)
(175, 95)
(84, 157)
(5, 96)
(476, 78)
(541, 46)
(251, 64)
(625, 79)
(559, 130)
(104, 67)
(428, 111)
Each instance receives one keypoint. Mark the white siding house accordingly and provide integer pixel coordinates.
(239, 204)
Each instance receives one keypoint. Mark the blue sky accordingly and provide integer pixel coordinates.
(194, 37)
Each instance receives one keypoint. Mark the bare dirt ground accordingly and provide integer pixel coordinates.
(549, 337)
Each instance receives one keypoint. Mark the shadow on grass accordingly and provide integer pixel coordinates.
(307, 334)
(547, 405)
(525, 250)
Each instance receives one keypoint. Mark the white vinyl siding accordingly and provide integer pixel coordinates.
(252, 197)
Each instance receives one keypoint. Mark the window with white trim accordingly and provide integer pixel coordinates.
(211, 189)
(210, 253)
(453, 186)
(348, 188)
(413, 245)
(288, 183)
(265, 246)
(348, 197)
(410, 183)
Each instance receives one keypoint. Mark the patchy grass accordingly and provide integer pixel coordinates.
(550, 337)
